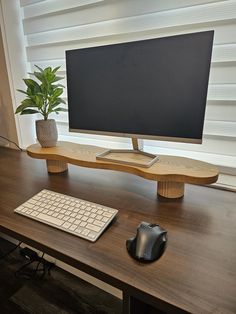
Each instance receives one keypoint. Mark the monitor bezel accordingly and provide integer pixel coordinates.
(140, 136)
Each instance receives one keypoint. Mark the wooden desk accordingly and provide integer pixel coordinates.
(196, 274)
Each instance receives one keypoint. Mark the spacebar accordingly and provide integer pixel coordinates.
(50, 219)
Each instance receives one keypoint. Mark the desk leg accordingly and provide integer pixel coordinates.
(132, 305)
(170, 189)
(56, 166)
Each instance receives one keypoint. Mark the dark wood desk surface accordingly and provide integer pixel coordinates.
(196, 274)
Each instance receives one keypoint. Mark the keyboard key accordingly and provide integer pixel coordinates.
(66, 225)
(79, 230)
(50, 219)
(29, 205)
(73, 227)
(85, 232)
(107, 214)
(34, 213)
(98, 223)
(91, 235)
(105, 219)
(93, 228)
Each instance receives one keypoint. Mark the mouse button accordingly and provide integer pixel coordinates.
(143, 224)
(159, 230)
(144, 228)
(142, 244)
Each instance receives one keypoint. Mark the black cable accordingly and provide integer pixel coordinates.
(47, 266)
(20, 274)
(9, 252)
(37, 267)
(7, 139)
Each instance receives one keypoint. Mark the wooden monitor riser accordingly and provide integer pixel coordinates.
(170, 172)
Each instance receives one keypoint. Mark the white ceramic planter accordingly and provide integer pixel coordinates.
(46, 131)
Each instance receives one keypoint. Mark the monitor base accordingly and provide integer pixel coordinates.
(134, 157)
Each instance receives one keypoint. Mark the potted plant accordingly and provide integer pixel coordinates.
(43, 96)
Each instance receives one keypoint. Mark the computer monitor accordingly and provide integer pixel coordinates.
(151, 89)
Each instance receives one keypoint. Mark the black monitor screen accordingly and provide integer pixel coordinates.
(155, 87)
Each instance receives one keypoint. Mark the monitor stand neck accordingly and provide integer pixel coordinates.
(134, 157)
(137, 144)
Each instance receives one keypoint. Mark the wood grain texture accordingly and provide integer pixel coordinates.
(196, 274)
(170, 189)
(168, 168)
(56, 166)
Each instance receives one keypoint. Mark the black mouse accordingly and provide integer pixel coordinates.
(149, 243)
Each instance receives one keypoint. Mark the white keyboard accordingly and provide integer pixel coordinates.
(81, 218)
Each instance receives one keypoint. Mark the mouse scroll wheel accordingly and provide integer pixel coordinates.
(153, 225)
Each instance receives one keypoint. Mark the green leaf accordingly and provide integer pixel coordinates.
(29, 111)
(58, 78)
(22, 91)
(39, 76)
(31, 83)
(62, 101)
(39, 100)
(48, 70)
(29, 102)
(26, 103)
(40, 69)
(57, 85)
(20, 108)
(60, 109)
(57, 92)
(56, 69)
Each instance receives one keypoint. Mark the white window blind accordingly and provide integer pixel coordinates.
(53, 26)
